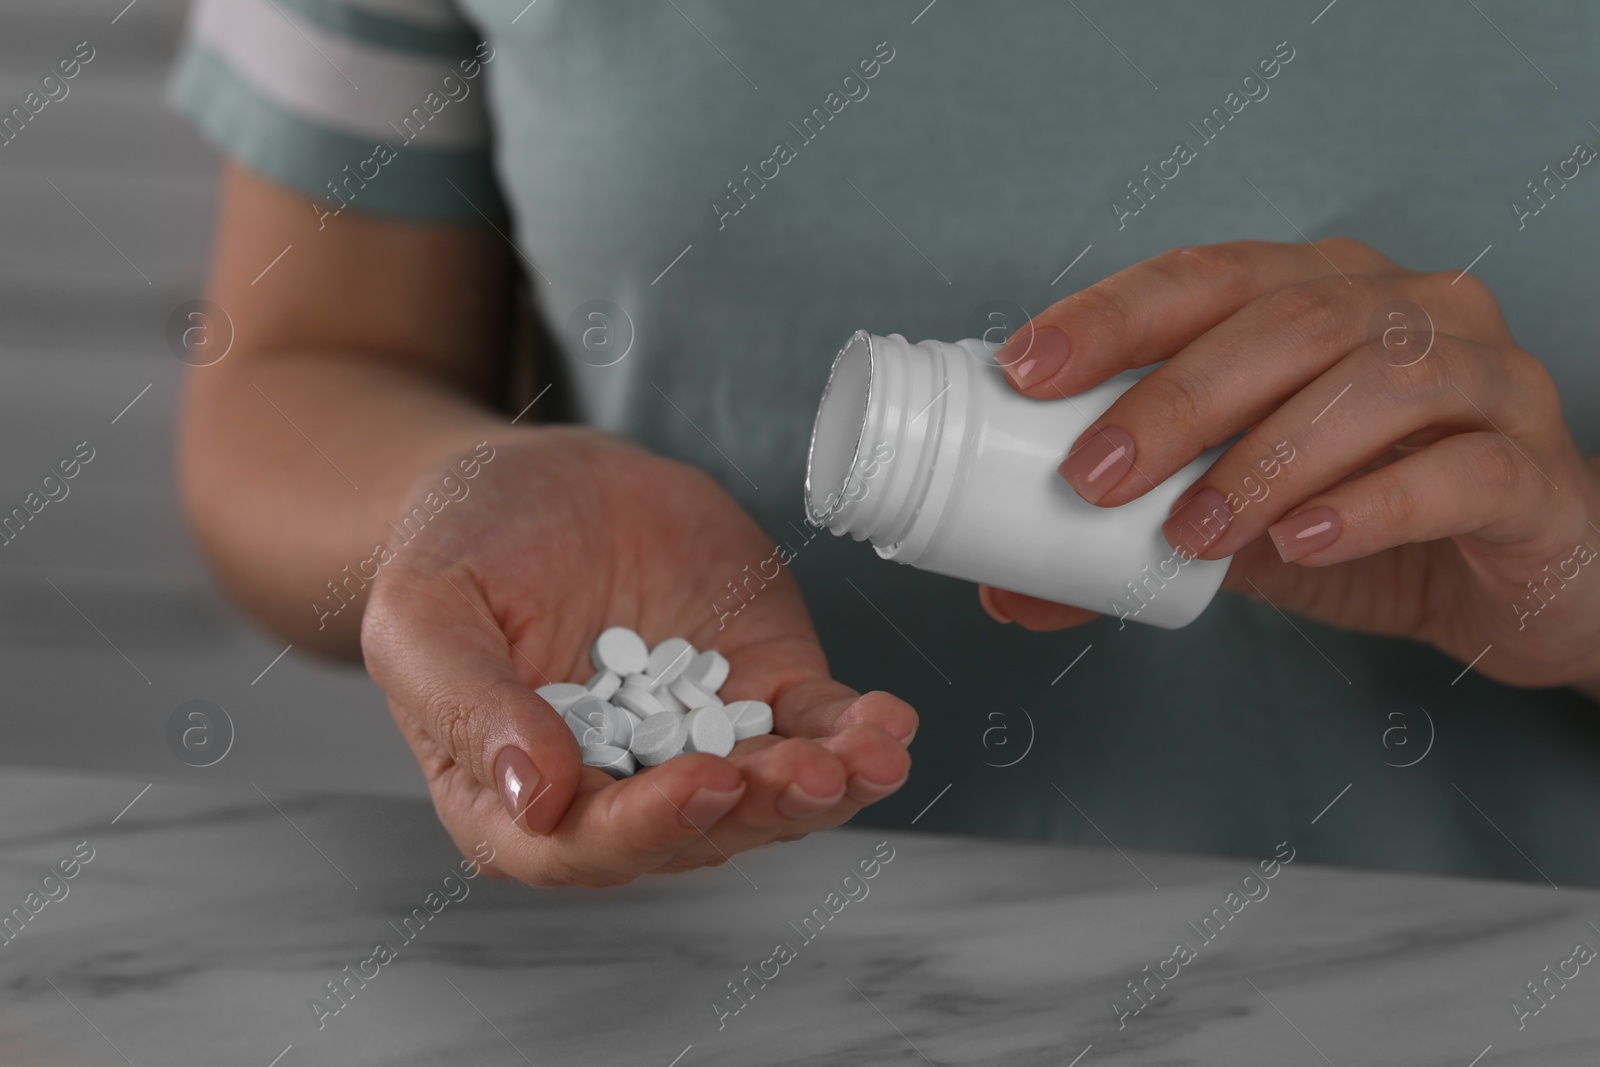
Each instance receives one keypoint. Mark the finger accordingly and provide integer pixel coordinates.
(452, 677)
(612, 832)
(1148, 311)
(792, 786)
(647, 822)
(788, 798)
(1469, 483)
(875, 764)
(1351, 416)
(1226, 380)
(867, 733)
(790, 674)
(1030, 612)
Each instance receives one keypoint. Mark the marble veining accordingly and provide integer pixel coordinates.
(209, 922)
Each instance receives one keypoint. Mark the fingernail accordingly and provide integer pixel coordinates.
(1099, 461)
(1033, 354)
(707, 806)
(519, 783)
(796, 803)
(1300, 535)
(986, 598)
(865, 791)
(1200, 523)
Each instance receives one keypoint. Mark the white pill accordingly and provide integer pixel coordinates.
(562, 695)
(605, 684)
(709, 670)
(622, 723)
(668, 660)
(659, 738)
(594, 722)
(639, 700)
(617, 762)
(668, 701)
(588, 734)
(692, 694)
(642, 680)
(620, 651)
(709, 731)
(750, 718)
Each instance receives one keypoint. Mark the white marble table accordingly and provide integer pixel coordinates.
(208, 919)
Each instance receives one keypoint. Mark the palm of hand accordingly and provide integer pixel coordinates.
(567, 532)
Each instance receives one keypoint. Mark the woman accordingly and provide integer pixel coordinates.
(707, 200)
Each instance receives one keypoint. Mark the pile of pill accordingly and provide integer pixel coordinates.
(645, 705)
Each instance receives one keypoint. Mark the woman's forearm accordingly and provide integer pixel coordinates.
(357, 361)
(292, 468)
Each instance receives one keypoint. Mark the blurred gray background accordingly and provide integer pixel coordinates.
(104, 230)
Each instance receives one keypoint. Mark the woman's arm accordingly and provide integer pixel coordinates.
(360, 358)
(357, 380)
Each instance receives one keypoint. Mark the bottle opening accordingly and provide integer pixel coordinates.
(837, 434)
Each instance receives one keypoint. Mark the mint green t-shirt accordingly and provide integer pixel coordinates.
(734, 188)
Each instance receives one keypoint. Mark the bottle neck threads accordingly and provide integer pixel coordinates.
(886, 441)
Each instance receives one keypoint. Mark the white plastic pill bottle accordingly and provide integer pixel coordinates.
(926, 451)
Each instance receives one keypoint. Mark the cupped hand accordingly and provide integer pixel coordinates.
(1431, 488)
(562, 533)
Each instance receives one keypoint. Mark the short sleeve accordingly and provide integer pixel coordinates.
(377, 106)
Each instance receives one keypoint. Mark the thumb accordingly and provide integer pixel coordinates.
(452, 676)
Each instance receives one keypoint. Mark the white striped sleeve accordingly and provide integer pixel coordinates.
(309, 93)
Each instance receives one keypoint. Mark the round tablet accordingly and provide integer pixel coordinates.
(639, 700)
(620, 725)
(614, 725)
(668, 660)
(692, 694)
(620, 651)
(659, 738)
(668, 701)
(749, 718)
(562, 695)
(617, 762)
(709, 731)
(709, 670)
(605, 684)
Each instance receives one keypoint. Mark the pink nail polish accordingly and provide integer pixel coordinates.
(1300, 535)
(707, 806)
(519, 783)
(796, 803)
(1098, 462)
(1200, 523)
(1033, 354)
